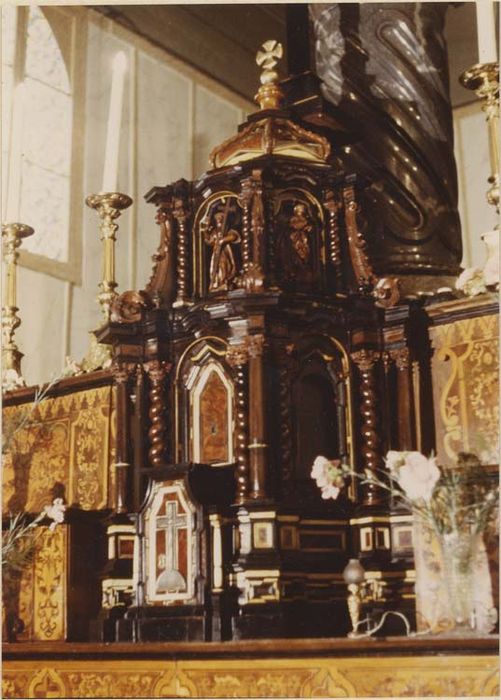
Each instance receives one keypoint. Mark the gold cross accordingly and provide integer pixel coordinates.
(269, 54)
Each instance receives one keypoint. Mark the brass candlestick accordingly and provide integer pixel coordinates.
(483, 78)
(12, 378)
(360, 591)
(109, 206)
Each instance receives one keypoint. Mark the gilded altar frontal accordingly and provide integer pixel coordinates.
(250, 350)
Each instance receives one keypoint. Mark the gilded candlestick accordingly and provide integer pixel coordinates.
(109, 206)
(12, 235)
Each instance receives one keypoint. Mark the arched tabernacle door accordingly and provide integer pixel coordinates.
(321, 420)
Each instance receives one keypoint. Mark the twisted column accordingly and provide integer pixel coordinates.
(371, 457)
(237, 357)
(333, 205)
(157, 371)
(384, 67)
(181, 215)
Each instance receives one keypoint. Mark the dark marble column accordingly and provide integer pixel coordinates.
(384, 67)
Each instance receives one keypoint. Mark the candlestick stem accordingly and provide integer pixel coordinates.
(12, 378)
(483, 78)
(109, 206)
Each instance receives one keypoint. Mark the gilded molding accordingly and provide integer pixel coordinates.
(237, 355)
(440, 675)
(401, 357)
(365, 359)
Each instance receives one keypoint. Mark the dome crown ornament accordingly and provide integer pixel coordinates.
(269, 131)
(269, 95)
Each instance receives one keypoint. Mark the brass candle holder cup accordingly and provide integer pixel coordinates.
(12, 235)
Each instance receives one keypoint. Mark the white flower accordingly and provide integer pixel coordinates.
(319, 467)
(418, 476)
(330, 492)
(394, 460)
(55, 512)
(328, 474)
(471, 282)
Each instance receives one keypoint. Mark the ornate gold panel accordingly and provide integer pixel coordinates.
(375, 676)
(465, 370)
(68, 441)
(49, 591)
(38, 599)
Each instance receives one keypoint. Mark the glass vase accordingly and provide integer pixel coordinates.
(459, 553)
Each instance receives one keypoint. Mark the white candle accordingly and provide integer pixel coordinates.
(110, 175)
(486, 32)
(15, 155)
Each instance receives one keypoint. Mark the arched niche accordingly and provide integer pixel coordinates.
(205, 416)
(321, 410)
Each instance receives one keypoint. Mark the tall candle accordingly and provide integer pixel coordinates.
(110, 175)
(15, 155)
(486, 32)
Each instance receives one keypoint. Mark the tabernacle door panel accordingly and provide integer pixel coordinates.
(171, 550)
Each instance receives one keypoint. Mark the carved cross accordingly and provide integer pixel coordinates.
(269, 54)
(171, 522)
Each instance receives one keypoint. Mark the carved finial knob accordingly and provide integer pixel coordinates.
(267, 57)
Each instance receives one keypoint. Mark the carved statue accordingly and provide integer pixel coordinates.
(300, 228)
(223, 269)
(294, 247)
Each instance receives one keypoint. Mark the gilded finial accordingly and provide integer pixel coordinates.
(269, 94)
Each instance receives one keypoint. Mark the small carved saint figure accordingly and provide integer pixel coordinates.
(300, 228)
(223, 269)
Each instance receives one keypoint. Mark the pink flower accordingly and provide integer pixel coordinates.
(418, 476)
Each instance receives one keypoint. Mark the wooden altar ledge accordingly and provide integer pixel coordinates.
(307, 668)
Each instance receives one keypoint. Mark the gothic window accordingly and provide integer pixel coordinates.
(39, 48)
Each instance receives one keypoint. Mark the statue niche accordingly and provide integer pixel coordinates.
(220, 233)
(297, 249)
(321, 414)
